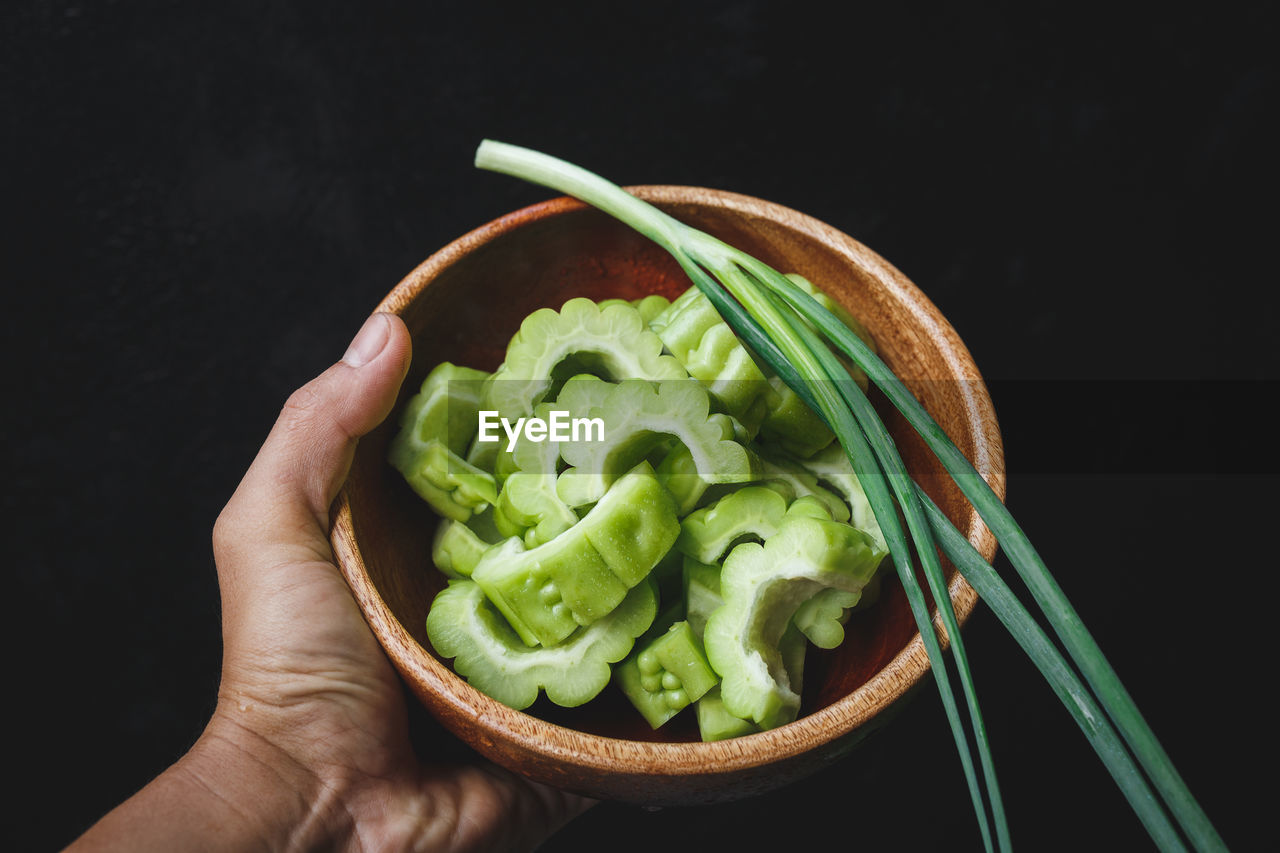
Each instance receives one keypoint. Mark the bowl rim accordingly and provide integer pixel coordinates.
(446, 694)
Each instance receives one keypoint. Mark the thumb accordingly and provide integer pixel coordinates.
(280, 511)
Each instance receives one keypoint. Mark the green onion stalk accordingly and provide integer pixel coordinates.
(778, 320)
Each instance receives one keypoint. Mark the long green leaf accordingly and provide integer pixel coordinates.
(1062, 616)
(1048, 660)
(873, 436)
(864, 460)
(881, 470)
(1073, 694)
(1065, 683)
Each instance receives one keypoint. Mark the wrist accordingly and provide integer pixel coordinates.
(232, 791)
(268, 798)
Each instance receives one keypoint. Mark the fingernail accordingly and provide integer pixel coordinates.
(368, 342)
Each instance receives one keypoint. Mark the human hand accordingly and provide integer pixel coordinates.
(309, 744)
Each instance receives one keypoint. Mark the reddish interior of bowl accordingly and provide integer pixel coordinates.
(482, 287)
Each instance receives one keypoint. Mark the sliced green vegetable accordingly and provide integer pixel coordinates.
(790, 423)
(831, 467)
(812, 506)
(695, 334)
(715, 722)
(701, 592)
(445, 407)
(579, 396)
(637, 417)
(678, 472)
(650, 306)
(702, 598)
(579, 338)
(792, 649)
(456, 549)
(699, 338)
(795, 481)
(762, 586)
(707, 534)
(437, 425)
(452, 486)
(581, 575)
(548, 591)
(484, 455)
(666, 675)
(528, 505)
(463, 625)
(529, 508)
(822, 618)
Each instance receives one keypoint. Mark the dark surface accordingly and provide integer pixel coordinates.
(200, 208)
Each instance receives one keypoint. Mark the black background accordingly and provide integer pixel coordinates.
(202, 202)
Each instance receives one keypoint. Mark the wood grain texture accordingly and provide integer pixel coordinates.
(463, 304)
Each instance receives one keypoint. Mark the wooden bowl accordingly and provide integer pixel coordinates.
(464, 303)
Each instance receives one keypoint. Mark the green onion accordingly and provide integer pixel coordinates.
(769, 313)
(816, 363)
(1070, 629)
